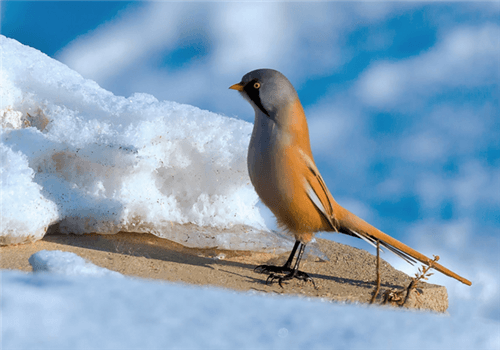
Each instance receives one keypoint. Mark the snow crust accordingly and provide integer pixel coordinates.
(75, 155)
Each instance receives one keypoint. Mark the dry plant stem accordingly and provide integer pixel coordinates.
(412, 285)
(378, 274)
(396, 297)
(423, 275)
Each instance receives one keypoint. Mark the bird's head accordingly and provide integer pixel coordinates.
(267, 90)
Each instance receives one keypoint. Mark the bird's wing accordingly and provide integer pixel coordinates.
(318, 193)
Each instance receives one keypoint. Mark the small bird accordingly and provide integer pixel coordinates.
(283, 172)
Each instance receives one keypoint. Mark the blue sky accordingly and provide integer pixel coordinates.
(402, 98)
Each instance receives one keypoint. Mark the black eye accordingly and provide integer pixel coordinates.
(256, 85)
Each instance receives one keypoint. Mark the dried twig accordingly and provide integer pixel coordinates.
(396, 297)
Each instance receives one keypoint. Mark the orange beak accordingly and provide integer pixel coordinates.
(238, 87)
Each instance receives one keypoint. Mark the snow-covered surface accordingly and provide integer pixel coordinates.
(67, 263)
(67, 310)
(74, 154)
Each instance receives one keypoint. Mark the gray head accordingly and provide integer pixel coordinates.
(267, 90)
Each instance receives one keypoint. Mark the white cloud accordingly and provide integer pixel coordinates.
(391, 188)
(449, 134)
(239, 38)
(425, 147)
(301, 40)
(463, 122)
(377, 10)
(467, 56)
(244, 36)
(382, 83)
(249, 37)
(338, 141)
(118, 44)
(473, 186)
(476, 184)
(432, 190)
(330, 126)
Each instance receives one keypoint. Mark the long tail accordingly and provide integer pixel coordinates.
(342, 220)
(354, 226)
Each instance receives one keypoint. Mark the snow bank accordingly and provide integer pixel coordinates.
(25, 212)
(67, 263)
(83, 312)
(75, 155)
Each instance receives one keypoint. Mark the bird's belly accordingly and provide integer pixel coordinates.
(263, 169)
(276, 174)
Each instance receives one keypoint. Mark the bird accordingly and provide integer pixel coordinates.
(282, 170)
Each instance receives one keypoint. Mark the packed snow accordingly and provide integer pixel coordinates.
(75, 155)
(62, 305)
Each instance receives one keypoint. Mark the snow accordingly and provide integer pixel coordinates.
(21, 198)
(67, 263)
(69, 304)
(75, 155)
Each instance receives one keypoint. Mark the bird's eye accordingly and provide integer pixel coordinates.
(256, 85)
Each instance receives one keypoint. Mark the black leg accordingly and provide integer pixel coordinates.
(279, 269)
(299, 257)
(286, 269)
(288, 263)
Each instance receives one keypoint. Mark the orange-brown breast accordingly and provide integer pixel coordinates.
(291, 205)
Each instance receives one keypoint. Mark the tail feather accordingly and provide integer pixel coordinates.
(395, 251)
(342, 220)
(354, 226)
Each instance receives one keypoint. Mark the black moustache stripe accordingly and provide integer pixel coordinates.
(253, 93)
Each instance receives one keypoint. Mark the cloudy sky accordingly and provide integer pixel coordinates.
(402, 98)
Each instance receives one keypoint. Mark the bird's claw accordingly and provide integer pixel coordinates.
(270, 269)
(291, 275)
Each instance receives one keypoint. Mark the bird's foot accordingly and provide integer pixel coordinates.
(293, 274)
(275, 271)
